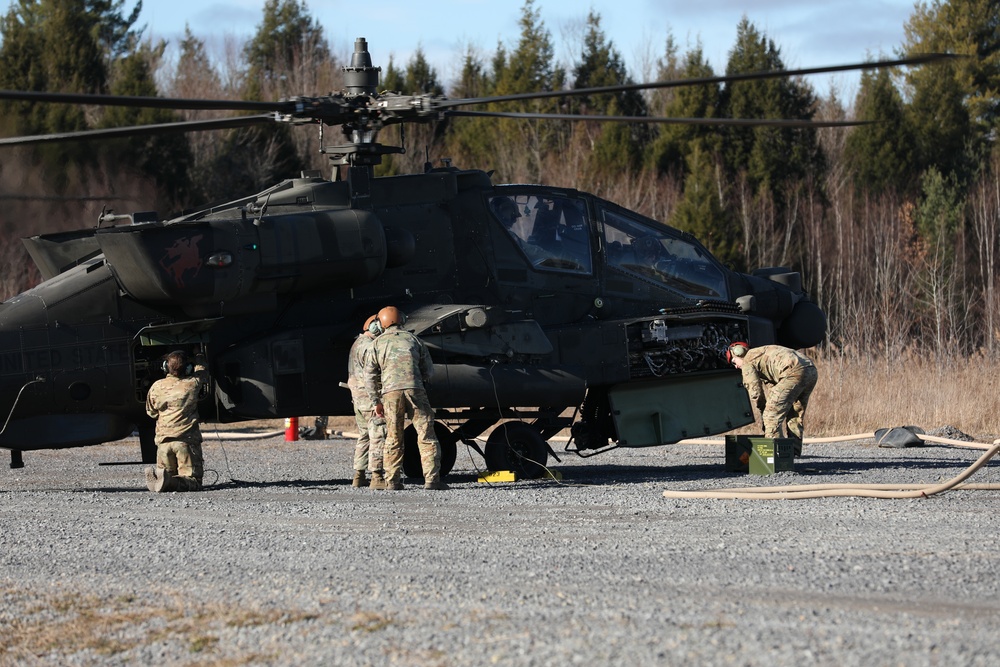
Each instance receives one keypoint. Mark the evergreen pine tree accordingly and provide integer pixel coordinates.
(771, 156)
(421, 140)
(466, 138)
(880, 154)
(528, 68)
(969, 28)
(701, 212)
(165, 158)
(284, 58)
(669, 152)
(615, 146)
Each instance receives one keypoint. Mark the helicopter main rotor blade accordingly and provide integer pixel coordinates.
(738, 122)
(138, 130)
(364, 113)
(673, 83)
(141, 102)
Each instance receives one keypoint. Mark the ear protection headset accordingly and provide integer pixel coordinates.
(736, 349)
(186, 370)
(373, 326)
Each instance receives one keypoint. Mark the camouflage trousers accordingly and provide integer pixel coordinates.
(786, 404)
(396, 405)
(371, 440)
(181, 458)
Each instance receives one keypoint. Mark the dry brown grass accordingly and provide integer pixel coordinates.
(369, 621)
(857, 396)
(64, 624)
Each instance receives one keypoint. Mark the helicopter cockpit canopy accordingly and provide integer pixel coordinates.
(550, 229)
(654, 253)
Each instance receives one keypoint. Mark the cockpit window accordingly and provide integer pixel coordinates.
(550, 230)
(653, 253)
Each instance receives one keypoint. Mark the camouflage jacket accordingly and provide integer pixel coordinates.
(769, 364)
(356, 361)
(173, 403)
(399, 360)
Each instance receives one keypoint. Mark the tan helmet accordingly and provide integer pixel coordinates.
(368, 328)
(391, 316)
(736, 349)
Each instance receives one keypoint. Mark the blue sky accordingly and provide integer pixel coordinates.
(808, 32)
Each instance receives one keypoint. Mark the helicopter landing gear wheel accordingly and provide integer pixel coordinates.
(147, 443)
(518, 447)
(411, 452)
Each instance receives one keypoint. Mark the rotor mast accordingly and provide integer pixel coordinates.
(361, 80)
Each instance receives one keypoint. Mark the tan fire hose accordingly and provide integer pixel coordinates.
(213, 434)
(801, 491)
(792, 492)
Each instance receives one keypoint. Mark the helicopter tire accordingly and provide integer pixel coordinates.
(518, 447)
(147, 442)
(411, 452)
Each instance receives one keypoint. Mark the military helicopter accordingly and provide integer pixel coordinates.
(543, 308)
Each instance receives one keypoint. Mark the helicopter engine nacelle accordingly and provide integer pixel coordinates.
(220, 264)
(776, 294)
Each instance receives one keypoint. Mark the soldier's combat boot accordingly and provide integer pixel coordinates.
(394, 483)
(378, 482)
(159, 480)
(435, 484)
(184, 484)
(153, 480)
(359, 479)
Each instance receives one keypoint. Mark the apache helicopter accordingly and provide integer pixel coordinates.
(543, 308)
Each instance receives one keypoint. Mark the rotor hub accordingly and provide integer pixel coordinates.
(360, 77)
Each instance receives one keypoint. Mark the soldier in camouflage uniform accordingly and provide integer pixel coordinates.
(394, 378)
(173, 403)
(791, 377)
(371, 429)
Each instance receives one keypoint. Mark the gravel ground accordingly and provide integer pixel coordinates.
(281, 562)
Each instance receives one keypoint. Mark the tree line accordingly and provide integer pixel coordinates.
(893, 223)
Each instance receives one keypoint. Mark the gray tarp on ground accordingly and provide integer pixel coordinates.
(899, 436)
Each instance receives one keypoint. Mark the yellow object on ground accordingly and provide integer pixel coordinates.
(498, 476)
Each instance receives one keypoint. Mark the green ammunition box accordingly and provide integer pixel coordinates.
(759, 455)
(738, 453)
(770, 455)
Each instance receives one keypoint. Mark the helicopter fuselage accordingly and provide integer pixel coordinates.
(533, 301)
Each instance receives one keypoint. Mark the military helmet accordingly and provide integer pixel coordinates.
(371, 326)
(505, 210)
(736, 349)
(390, 315)
(647, 248)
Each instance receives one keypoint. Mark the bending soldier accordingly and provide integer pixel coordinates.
(371, 429)
(394, 378)
(791, 377)
(173, 403)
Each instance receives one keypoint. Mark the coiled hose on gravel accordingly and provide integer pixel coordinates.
(802, 491)
(797, 491)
